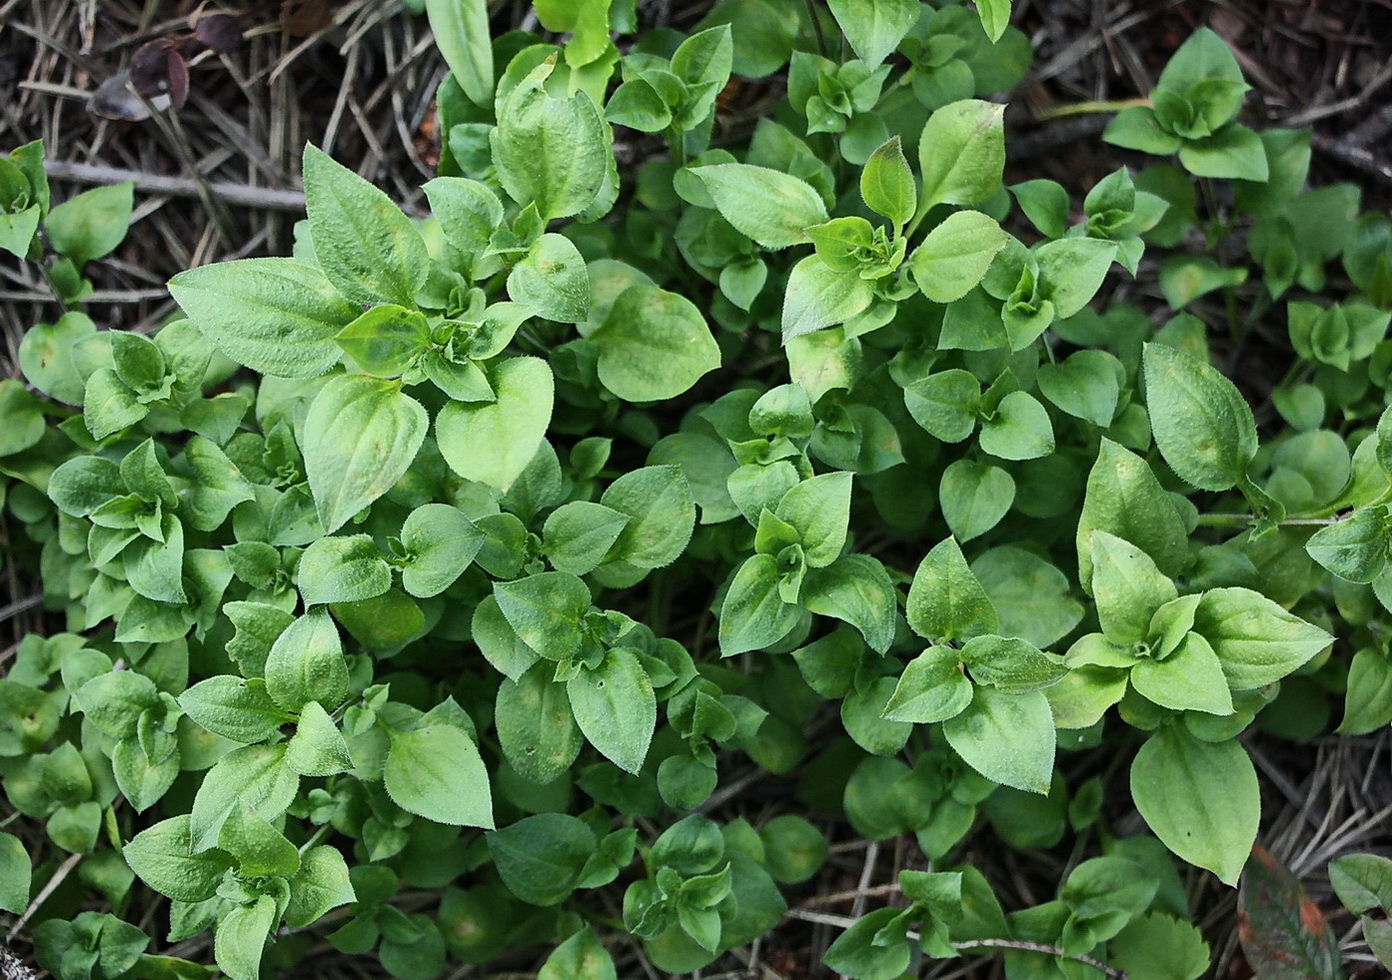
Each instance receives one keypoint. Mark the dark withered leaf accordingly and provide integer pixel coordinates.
(220, 32)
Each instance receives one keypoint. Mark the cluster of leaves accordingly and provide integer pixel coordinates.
(467, 555)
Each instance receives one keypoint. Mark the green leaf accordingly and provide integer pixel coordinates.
(551, 280)
(946, 601)
(217, 487)
(439, 542)
(1200, 798)
(1190, 678)
(535, 725)
(961, 153)
(1284, 934)
(616, 709)
(855, 589)
(579, 534)
(240, 938)
(1072, 271)
(306, 663)
(234, 708)
(367, 248)
(1008, 738)
(550, 152)
(1127, 587)
(321, 884)
(945, 403)
(703, 62)
(1355, 549)
(17, 230)
(820, 509)
(874, 27)
(108, 405)
(819, 296)
(754, 615)
(1174, 949)
(1257, 641)
(1033, 598)
(15, 873)
(545, 610)
(864, 716)
(437, 773)
(955, 255)
(653, 345)
(1087, 385)
(1125, 499)
(343, 569)
(277, 316)
(463, 37)
(931, 689)
(887, 184)
(251, 775)
(856, 954)
(661, 515)
(1201, 422)
(360, 437)
(317, 748)
(259, 849)
(469, 212)
(23, 414)
(114, 702)
(492, 442)
(91, 225)
(1362, 881)
(161, 855)
(1234, 152)
(1010, 664)
(995, 17)
(1368, 702)
(581, 957)
(541, 858)
(386, 341)
(974, 497)
(769, 206)
(1019, 429)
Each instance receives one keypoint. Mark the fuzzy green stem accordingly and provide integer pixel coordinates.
(1091, 108)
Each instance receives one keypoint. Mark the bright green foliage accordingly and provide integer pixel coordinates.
(439, 592)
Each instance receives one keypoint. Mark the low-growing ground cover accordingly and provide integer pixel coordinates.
(567, 578)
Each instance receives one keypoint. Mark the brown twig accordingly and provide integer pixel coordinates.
(243, 195)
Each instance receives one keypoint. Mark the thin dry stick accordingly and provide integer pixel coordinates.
(58, 876)
(267, 198)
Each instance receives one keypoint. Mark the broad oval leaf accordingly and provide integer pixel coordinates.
(1201, 422)
(955, 255)
(654, 344)
(769, 206)
(492, 442)
(436, 772)
(1006, 737)
(1201, 799)
(360, 437)
(961, 153)
(367, 248)
(277, 316)
(615, 707)
(463, 37)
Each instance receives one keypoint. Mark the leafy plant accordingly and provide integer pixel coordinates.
(419, 583)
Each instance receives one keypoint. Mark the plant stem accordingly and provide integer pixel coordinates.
(1040, 948)
(817, 28)
(1090, 108)
(1242, 520)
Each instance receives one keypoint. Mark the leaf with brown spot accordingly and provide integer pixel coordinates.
(1283, 932)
